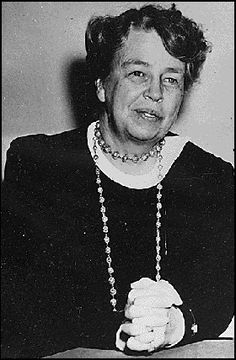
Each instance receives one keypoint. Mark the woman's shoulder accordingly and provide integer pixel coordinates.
(66, 139)
(46, 154)
(205, 163)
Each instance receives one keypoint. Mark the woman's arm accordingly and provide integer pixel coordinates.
(40, 315)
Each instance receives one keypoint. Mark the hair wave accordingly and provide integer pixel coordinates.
(181, 37)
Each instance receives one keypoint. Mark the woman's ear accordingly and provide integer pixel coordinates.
(100, 90)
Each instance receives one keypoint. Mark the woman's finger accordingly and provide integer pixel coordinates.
(159, 338)
(153, 301)
(142, 283)
(134, 344)
(151, 321)
(136, 293)
(133, 329)
(146, 337)
(134, 311)
(147, 287)
(159, 335)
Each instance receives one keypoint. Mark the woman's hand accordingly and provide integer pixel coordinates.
(148, 308)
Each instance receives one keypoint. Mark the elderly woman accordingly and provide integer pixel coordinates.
(120, 236)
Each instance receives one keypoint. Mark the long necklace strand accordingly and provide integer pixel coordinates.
(105, 229)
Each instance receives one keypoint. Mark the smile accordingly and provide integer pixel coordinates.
(149, 114)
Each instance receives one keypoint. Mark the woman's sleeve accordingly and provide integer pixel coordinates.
(207, 290)
(39, 314)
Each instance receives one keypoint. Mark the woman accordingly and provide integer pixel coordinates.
(120, 236)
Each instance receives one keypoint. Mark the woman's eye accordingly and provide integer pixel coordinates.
(137, 74)
(138, 77)
(170, 81)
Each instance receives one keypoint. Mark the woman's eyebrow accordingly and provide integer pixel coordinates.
(174, 70)
(129, 62)
(133, 62)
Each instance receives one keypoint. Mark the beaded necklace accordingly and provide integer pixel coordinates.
(155, 151)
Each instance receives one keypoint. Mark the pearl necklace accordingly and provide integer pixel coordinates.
(116, 155)
(111, 280)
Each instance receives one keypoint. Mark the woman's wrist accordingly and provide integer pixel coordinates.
(191, 327)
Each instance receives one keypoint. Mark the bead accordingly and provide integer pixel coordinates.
(100, 189)
(105, 229)
(97, 134)
(104, 218)
(124, 158)
(158, 224)
(101, 199)
(115, 155)
(101, 142)
(95, 157)
(98, 181)
(159, 196)
(110, 270)
(111, 280)
(152, 153)
(159, 186)
(108, 250)
(135, 158)
(106, 239)
(144, 157)
(103, 209)
(113, 302)
(113, 291)
(107, 149)
(159, 206)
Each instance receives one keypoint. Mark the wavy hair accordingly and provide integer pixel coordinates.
(181, 37)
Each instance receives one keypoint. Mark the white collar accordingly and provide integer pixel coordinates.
(170, 152)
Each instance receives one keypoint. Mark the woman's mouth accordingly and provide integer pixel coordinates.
(148, 115)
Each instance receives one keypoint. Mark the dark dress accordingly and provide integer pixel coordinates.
(55, 293)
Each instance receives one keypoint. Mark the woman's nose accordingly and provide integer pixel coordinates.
(154, 92)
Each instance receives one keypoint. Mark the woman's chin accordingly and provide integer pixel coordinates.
(145, 136)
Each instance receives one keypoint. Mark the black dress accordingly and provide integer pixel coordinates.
(55, 291)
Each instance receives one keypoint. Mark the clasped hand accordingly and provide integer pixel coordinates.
(147, 309)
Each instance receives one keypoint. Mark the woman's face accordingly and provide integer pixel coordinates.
(144, 90)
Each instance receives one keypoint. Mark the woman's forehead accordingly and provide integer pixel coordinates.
(147, 47)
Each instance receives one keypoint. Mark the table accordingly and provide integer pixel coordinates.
(220, 348)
